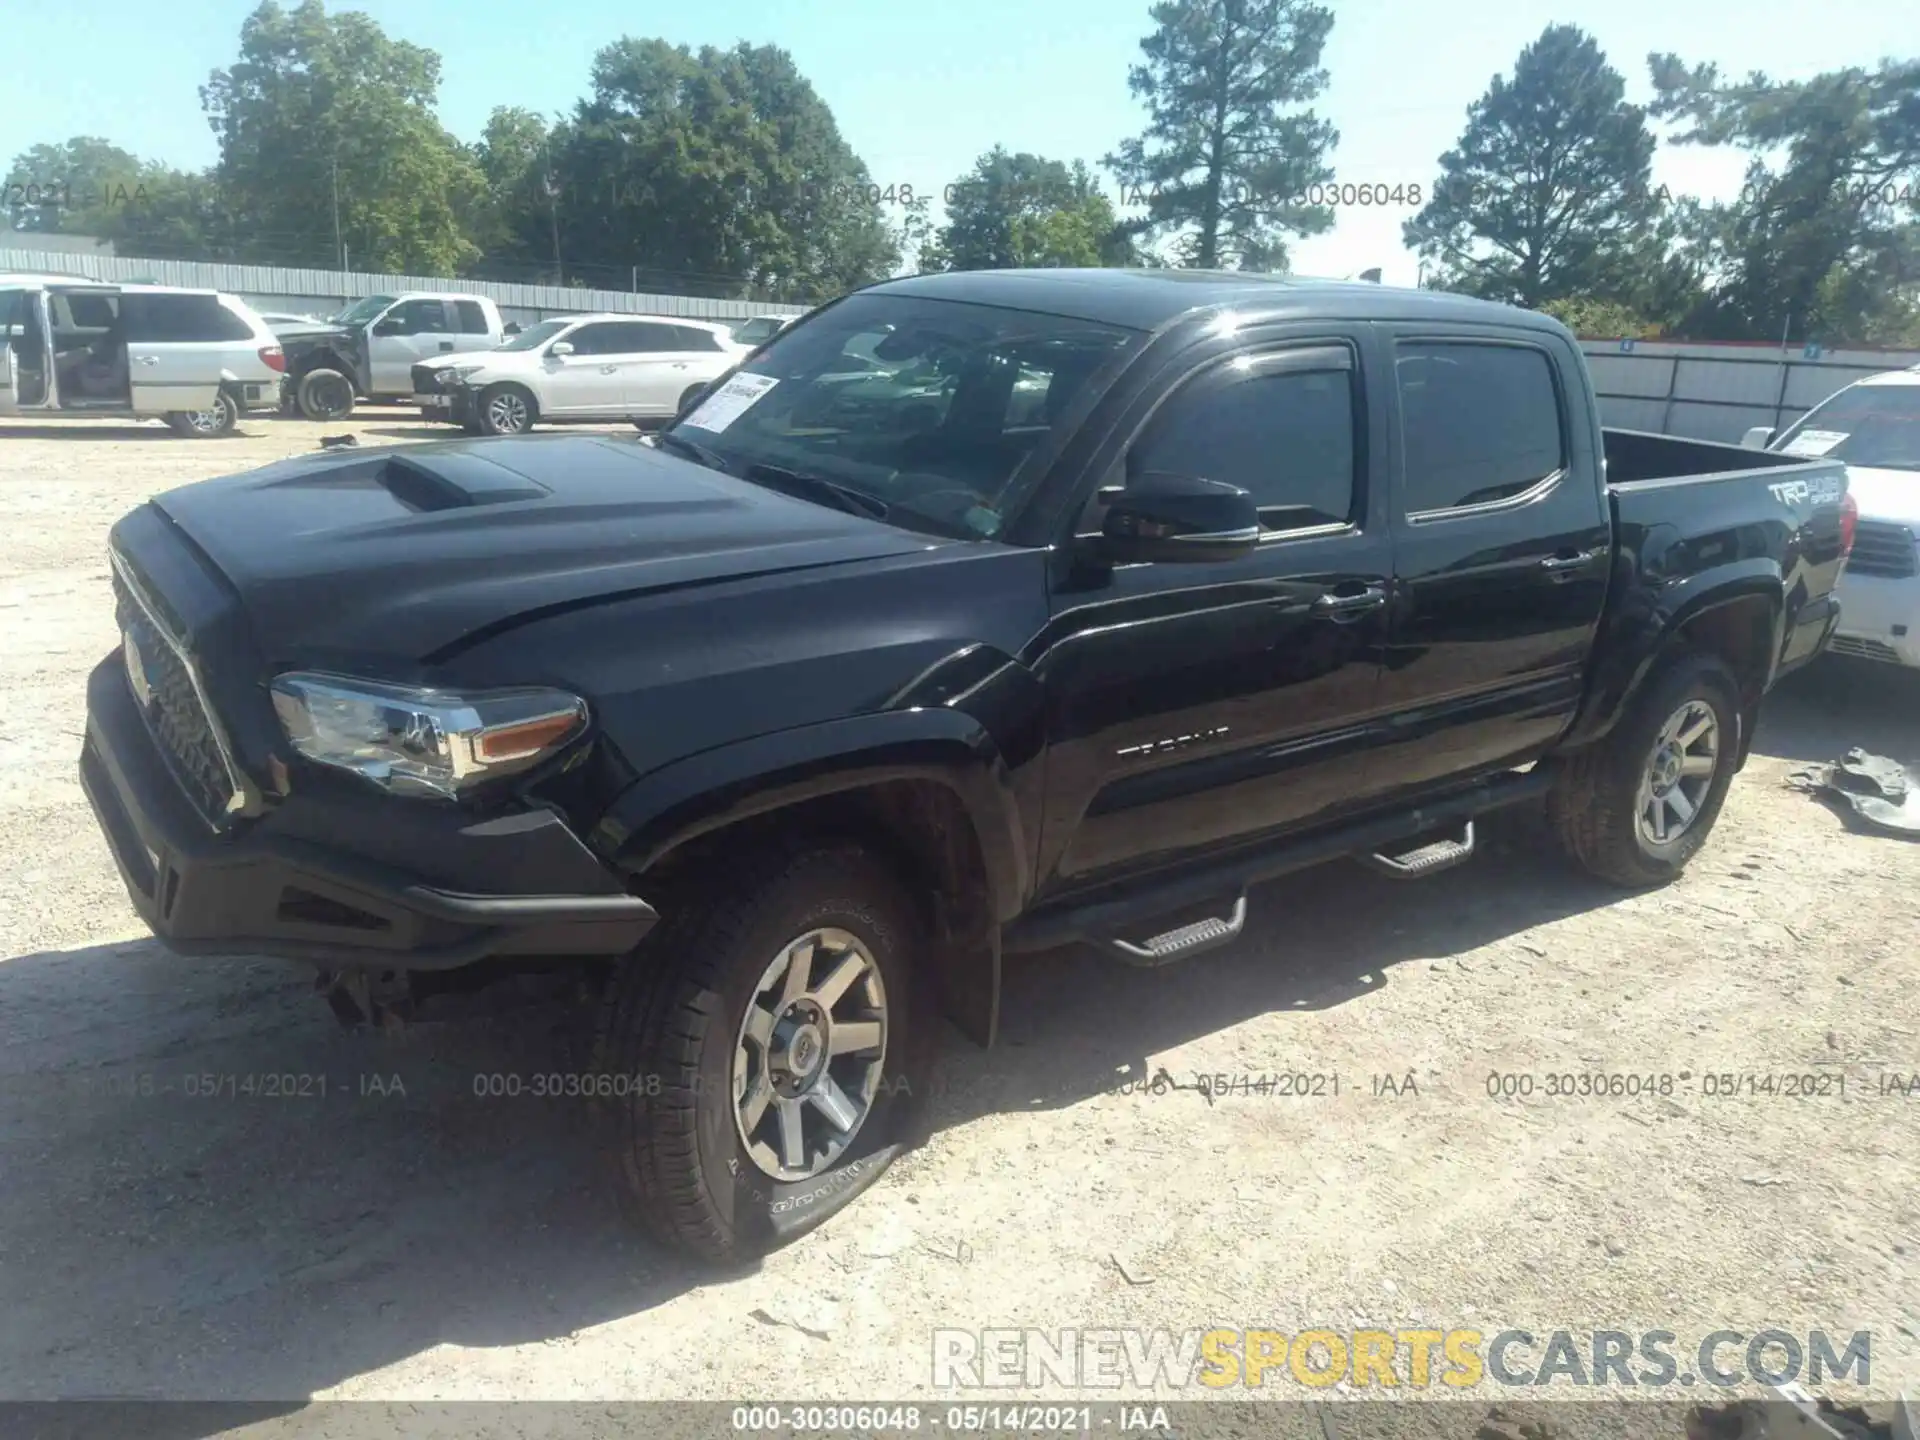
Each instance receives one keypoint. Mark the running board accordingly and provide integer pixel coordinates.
(1185, 940)
(1424, 860)
(1129, 905)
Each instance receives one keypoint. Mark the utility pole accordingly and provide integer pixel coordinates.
(339, 248)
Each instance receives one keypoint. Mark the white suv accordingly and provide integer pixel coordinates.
(1874, 426)
(580, 367)
(72, 347)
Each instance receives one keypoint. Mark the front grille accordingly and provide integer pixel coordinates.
(1882, 549)
(173, 713)
(426, 379)
(1863, 648)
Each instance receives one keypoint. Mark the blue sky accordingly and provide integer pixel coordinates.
(921, 90)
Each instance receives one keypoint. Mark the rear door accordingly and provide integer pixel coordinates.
(1192, 705)
(409, 332)
(1502, 544)
(654, 367)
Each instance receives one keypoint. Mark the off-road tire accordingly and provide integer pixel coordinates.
(224, 407)
(673, 1010)
(1593, 805)
(324, 394)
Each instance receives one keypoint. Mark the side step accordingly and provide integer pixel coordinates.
(1424, 860)
(1186, 940)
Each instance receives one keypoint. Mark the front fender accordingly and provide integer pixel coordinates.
(715, 788)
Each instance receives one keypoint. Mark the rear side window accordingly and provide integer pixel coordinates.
(163, 319)
(1478, 422)
(641, 339)
(1286, 437)
(689, 337)
(471, 317)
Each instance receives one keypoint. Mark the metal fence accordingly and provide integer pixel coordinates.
(1720, 391)
(322, 292)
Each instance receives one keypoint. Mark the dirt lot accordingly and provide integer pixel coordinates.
(434, 1245)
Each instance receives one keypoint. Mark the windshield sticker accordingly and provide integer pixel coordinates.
(1814, 442)
(730, 401)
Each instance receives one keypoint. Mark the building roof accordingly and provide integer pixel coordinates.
(1148, 299)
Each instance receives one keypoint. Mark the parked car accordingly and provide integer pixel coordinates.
(580, 367)
(759, 329)
(84, 348)
(1873, 426)
(369, 349)
(791, 731)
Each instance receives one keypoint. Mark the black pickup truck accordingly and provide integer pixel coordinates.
(1102, 596)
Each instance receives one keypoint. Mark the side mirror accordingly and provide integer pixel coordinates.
(512, 327)
(1168, 519)
(388, 327)
(560, 347)
(1758, 438)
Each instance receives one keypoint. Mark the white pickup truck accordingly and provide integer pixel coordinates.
(1874, 426)
(370, 348)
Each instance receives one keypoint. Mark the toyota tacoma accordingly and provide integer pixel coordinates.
(785, 725)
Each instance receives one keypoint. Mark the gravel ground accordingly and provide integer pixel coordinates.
(431, 1245)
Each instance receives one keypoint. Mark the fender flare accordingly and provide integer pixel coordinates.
(715, 788)
(1641, 644)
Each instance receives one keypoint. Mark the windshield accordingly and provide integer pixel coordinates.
(535, 336)
(362, 311)
(928, 406)
(1875, 426)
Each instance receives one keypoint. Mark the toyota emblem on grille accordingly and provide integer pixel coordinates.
(137, 670)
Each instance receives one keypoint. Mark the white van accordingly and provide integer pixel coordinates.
(75, 347)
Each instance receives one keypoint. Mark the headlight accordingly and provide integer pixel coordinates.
(423, 742)
(461, 372)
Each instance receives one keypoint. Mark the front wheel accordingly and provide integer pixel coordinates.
(218, 419)
(324, 395)
(767, 1041)
(505, 410)
(1635, 808)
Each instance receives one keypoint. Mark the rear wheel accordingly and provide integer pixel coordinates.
(218, 419)
(324, 395)
(763, 1043)
(505, 410)
(1635, 808)
(688, 399)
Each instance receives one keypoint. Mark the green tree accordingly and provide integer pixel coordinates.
(1822, 239)
(1545, 194)
(1226, 156)
(1025, 210)
(722, 165)
(319, 106)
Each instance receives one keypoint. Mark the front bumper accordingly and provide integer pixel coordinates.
(1880, 619)
(369, 882)
(453, 406)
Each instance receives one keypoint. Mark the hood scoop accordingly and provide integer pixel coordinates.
(448, 480)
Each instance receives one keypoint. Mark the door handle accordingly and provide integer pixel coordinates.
(1345, 607)
(609, 369)
(446, 345)
(679, 364)
(1556, 564)
(148, 359)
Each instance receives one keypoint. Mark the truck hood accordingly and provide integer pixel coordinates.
(404, 551)
(310, 330)
(1886, 495)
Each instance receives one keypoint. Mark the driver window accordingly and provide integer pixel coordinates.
(1287, 437)
(417, 317)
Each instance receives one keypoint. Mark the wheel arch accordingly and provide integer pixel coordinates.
(926, 789)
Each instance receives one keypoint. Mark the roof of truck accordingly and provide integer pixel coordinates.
(1148, 299)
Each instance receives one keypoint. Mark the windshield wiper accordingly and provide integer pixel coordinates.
(813, 487)
(691, 450)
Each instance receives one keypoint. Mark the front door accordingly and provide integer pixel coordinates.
(1193, 705)
(412, 331)
(591, 381)
(23, 351)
